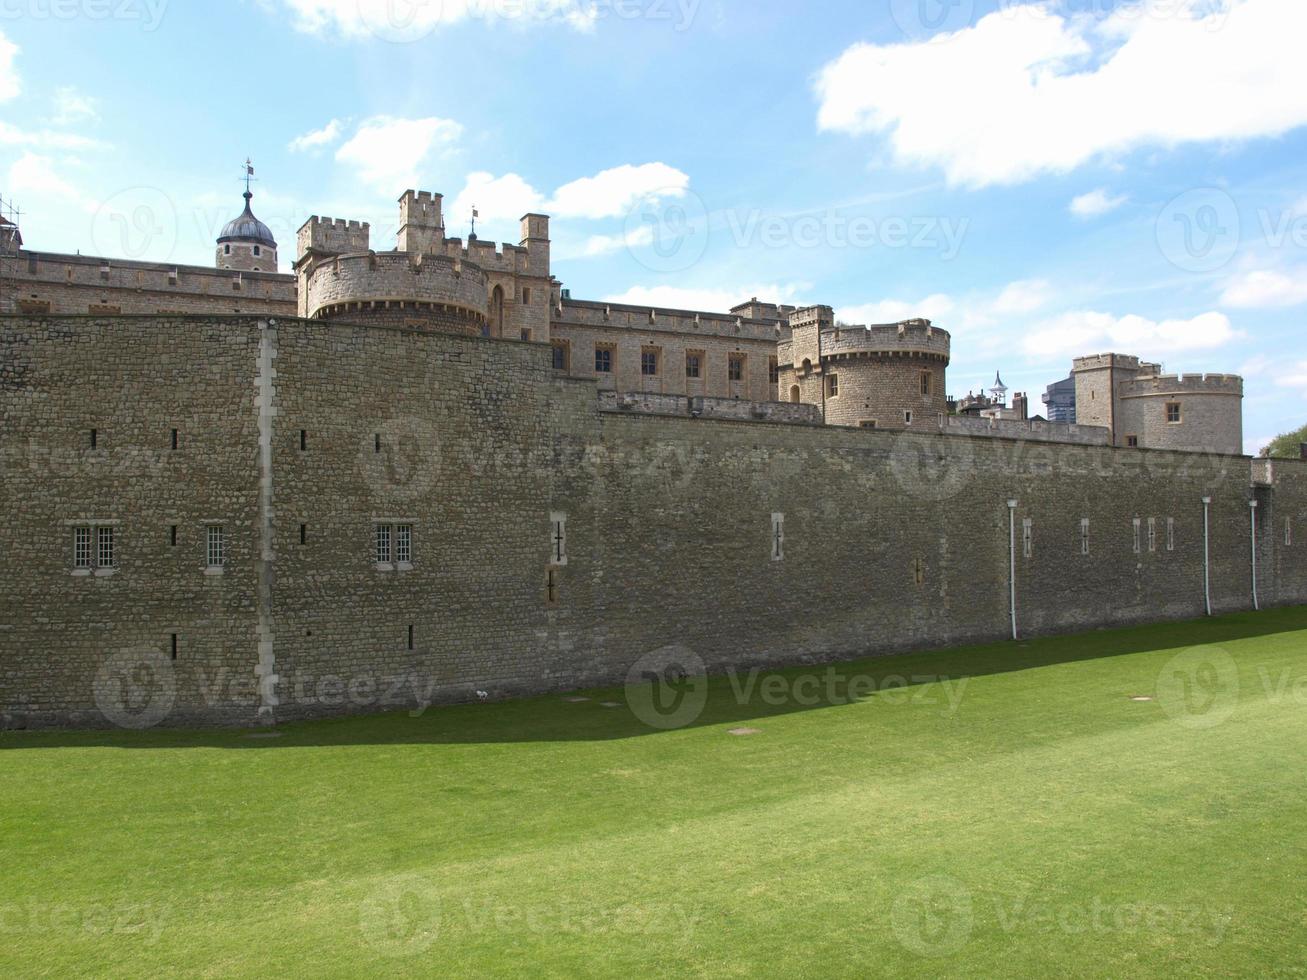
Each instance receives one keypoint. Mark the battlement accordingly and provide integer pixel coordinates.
(1182, 385)
(911, 337)
(644, 318)
(819, 316)
(328, 236)
(1101, 362)
(336, 284)
(698, 407)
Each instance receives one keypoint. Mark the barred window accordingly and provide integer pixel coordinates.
(649, 363)
(404, 543)
(217, 546)
(1170, 534)
(927, 382)
(735, 367)
(773, 372)
(560, 357)
(1084, 536)
(1138, 527)
(1173, 413)
(82, 547)
(693, 365)
(603, 360)
(104, 547)
(832, 386)
(383, 544)
(1028, 537)
(1152, 534)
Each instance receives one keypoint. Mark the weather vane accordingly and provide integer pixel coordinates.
(475, 214)
(249, 175)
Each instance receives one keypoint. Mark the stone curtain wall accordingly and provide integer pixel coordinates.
(79, 284)
(892, 541)
(133, 380)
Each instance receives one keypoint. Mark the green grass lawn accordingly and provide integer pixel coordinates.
(1028, 817)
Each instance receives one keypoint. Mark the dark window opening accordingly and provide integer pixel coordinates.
(172, 536)
(410, 636)
(95, 437)
(174, 439)
(304, 534)
(304, 440)
(174, 646)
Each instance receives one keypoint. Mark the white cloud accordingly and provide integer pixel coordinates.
(933, 308)
(1096, 203)
(413, 20)
(1084, 332)
(1023, 296)
(1296, 377)
(34, 174)
(1266, 289)
(388, 153)
(612, 193)
(71, 106)
(714, 300)
(604, 244)
(45, 139)
(9, 84)
(1027, 92)
(498, 199)
(319, 138)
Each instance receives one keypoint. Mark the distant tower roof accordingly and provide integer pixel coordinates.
(247, 228)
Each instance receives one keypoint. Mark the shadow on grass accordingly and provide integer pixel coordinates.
(553, 718)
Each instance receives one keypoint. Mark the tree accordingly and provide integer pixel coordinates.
(1287, 446)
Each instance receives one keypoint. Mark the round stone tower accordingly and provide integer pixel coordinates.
(246, 243)
(889, 376)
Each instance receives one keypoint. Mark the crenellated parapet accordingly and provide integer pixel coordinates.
(1182, 385)
(398, 287)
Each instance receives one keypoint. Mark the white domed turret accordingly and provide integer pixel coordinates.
(246, 243)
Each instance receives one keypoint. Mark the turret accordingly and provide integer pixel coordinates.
(421, 222)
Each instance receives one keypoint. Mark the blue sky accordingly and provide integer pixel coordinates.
(1043, 179)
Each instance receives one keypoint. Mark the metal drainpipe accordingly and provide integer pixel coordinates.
(1012, 555)
(1252, 509)
(1207, 554)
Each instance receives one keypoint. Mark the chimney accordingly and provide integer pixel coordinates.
(1021, 406)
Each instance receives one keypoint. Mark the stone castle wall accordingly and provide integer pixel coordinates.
(1211, 412)
(68, 285)
(893, 540)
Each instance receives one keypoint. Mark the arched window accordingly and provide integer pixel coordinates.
(794, 394)
(807, 367)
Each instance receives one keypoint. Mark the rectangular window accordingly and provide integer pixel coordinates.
(867, 424)
(1152, 535)
(773, 371)
(557, 539)
(778, 537)
(1173, 413)
(907, 418)
(217, 546)
(927, 380)
(304, 534)
(832, 386)
(174, 646)
(95, 438)
(104, 547)
(1170, 534)
(1084, 536)
(526, 335)
(694, 365)
(82, 547)
(649, 363)
(1138, 527)
(1028, 537)
(304, 440)
(174, 439)
(526, 294)
(172, 536)
(1132, 442)
(735, 367)
(603, 360)
(383, 544)
(404, 543)
(560, 357)
(410, 636)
